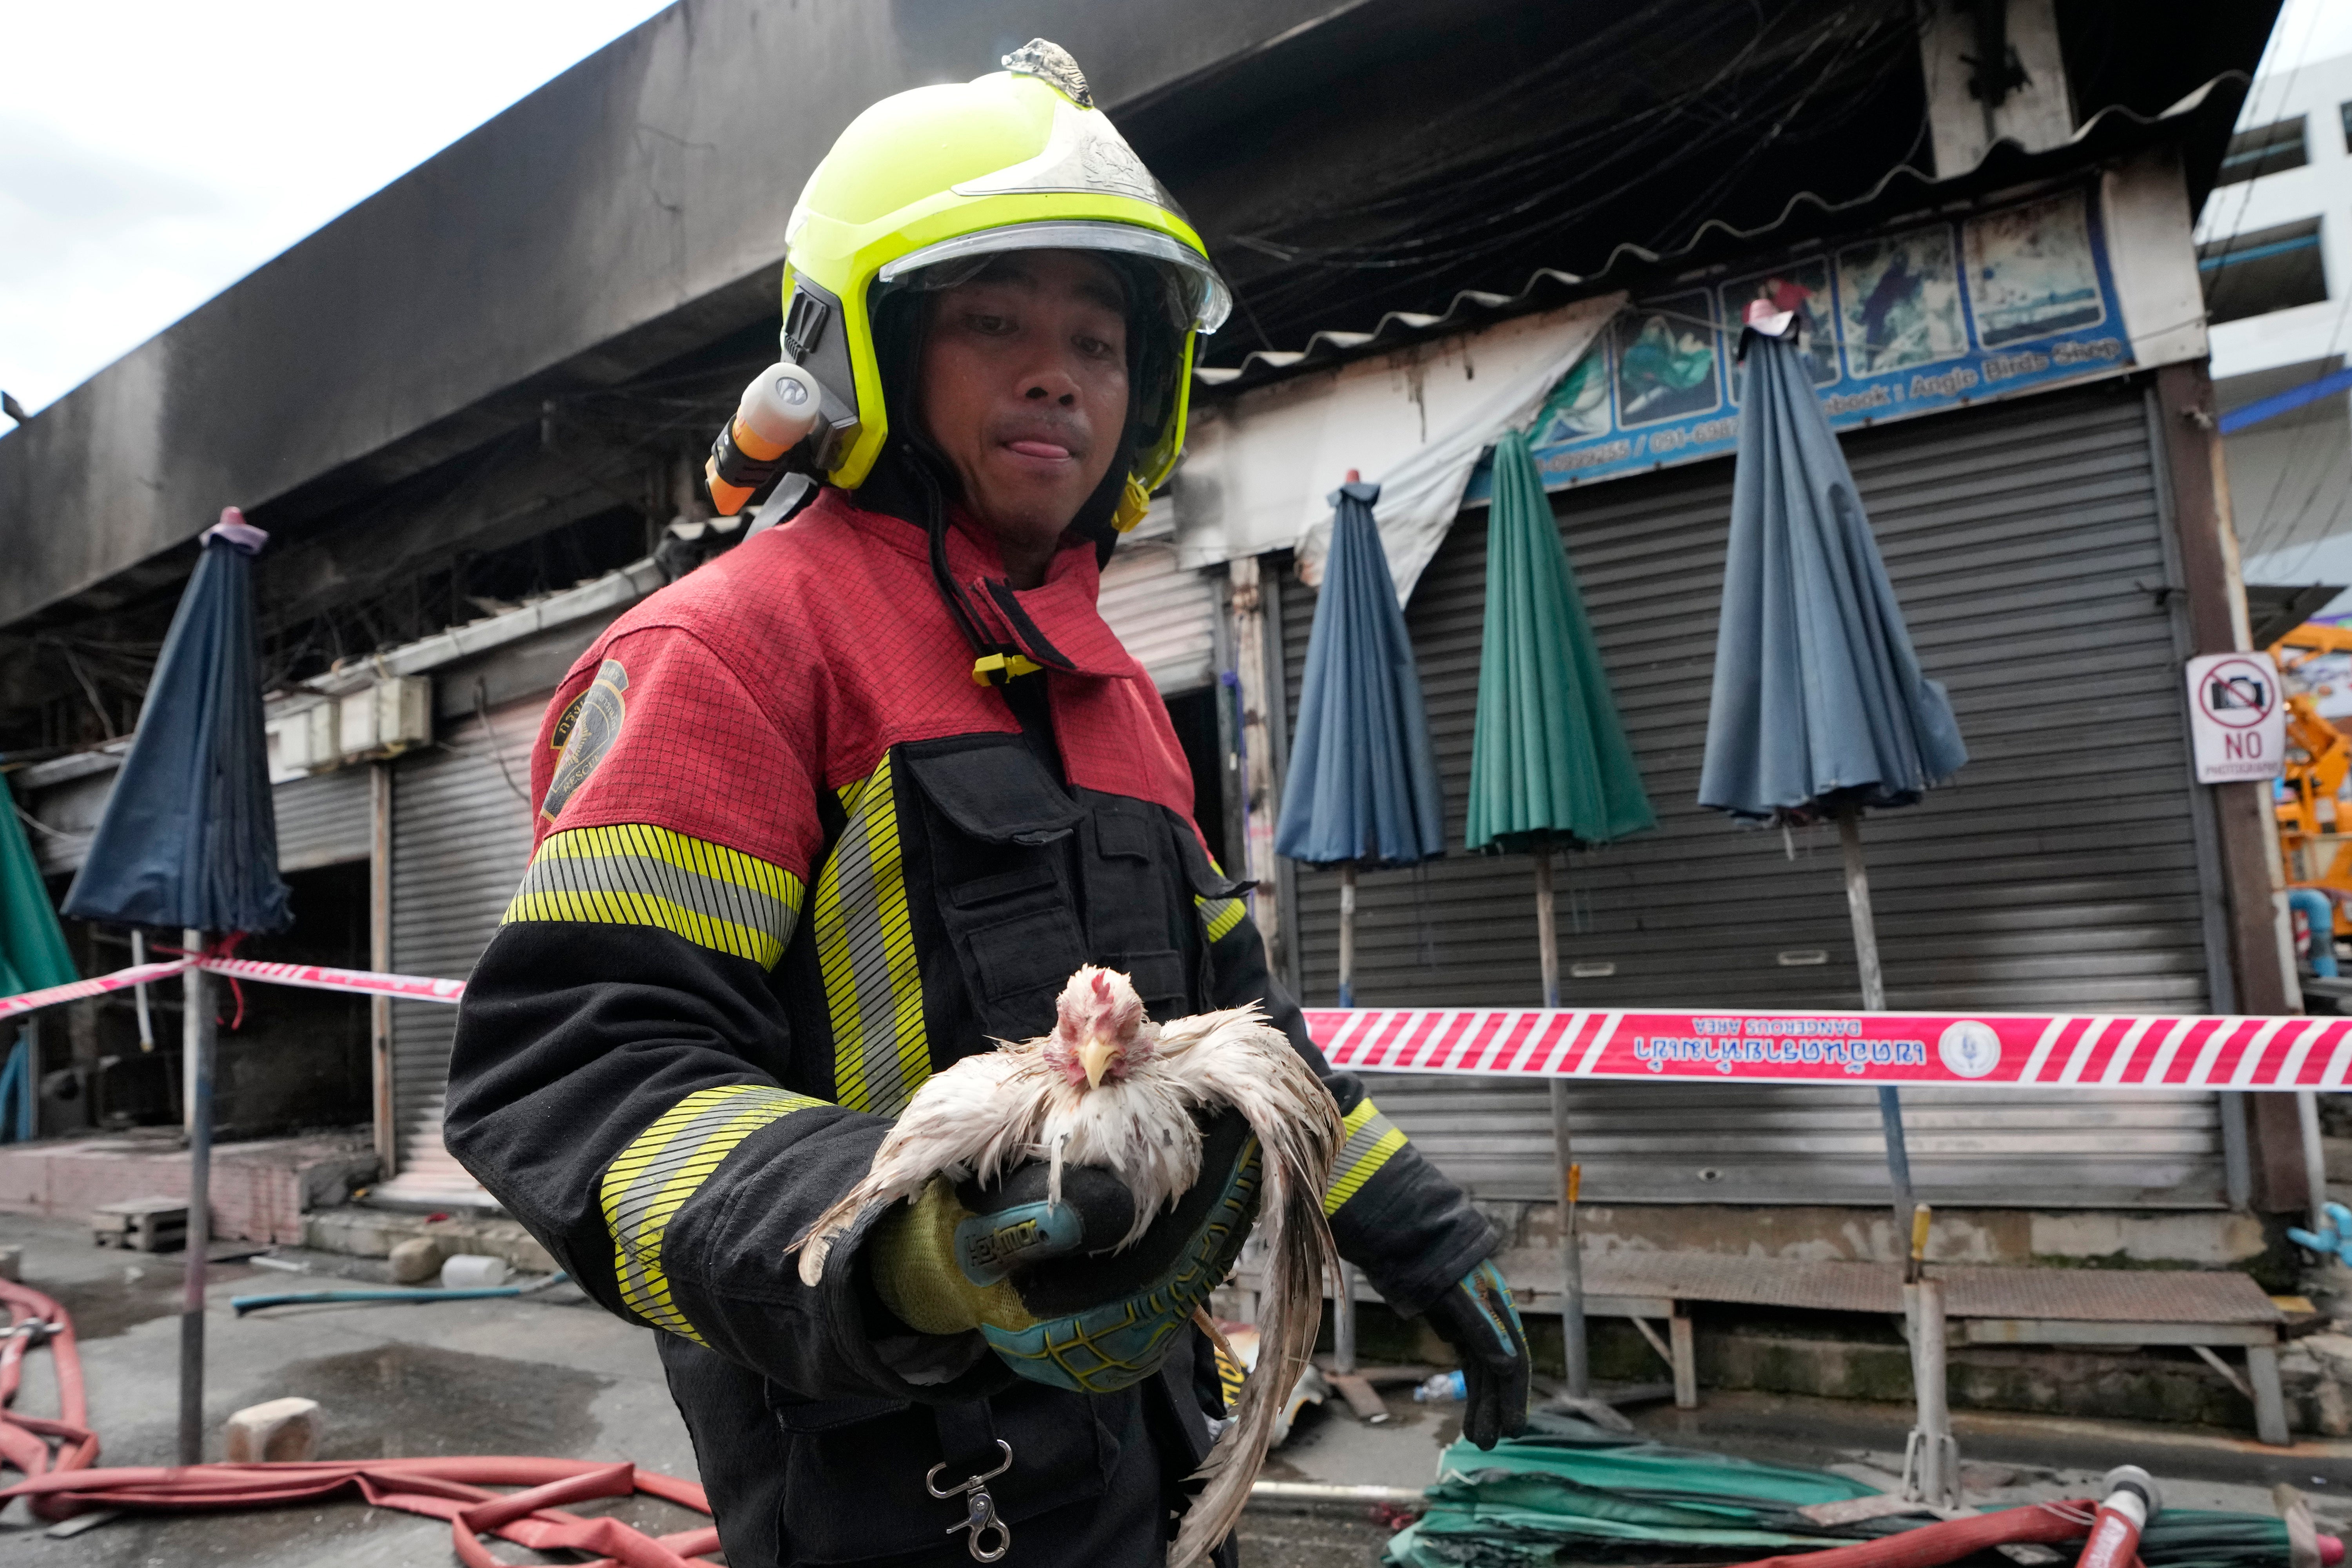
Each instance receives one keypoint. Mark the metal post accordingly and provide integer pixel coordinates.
(2314, 1156)
(1873, 1000)
(1898, 1155)
(1343, 1322)
(139, 992)
(1547, 927)
(1573, 1346)
(28, 1085)
(1348, 933)
(1931, 1468)
(387, 1134)
(197, 1041)
(1575, 1349)
(1260, 803)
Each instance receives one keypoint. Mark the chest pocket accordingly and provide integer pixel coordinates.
(1137, 908)
(1000, 831)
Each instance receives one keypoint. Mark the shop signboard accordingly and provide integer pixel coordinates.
(2236, 719)
(1922, 317)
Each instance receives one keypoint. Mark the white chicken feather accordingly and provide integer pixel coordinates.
(1111, 1089)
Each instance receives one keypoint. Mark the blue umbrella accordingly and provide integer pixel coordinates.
(1820, 706)
(190, 839)
(1363, 786)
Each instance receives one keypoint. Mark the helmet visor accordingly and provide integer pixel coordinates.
(1198, 297)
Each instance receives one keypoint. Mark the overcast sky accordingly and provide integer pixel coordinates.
(153, 153)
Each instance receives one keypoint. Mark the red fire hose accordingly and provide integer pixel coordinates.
(1931, 1545)
(455, 1490)
(60, 1483)
(2114, 1528)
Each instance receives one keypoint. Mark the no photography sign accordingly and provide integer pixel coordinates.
(2236, 717)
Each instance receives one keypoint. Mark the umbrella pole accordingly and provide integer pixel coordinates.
(1572, 1249)
(1931, 1437)
(197, 1041)
(1873, 1000)
(1347, 933)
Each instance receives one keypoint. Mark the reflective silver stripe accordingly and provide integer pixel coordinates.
(664, 1166)
(865, 951)
(636, 874)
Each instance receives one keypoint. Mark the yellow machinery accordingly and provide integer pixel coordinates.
(2310, 820)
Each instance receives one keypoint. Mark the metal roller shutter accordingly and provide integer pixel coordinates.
(461, 829)
(322, 820)
(2060, 871)
(1167, 616)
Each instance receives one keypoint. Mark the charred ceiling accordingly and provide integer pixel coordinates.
(1462, 146)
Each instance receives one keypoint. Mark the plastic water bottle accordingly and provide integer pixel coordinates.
(472, 1272)
(1444, 1388)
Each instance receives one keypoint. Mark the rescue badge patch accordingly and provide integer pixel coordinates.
(585, 733)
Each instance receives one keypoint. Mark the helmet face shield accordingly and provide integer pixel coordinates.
(1198, 297)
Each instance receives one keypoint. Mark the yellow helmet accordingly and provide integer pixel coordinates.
(1017, 160)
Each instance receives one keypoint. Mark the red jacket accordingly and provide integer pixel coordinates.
(792, 859)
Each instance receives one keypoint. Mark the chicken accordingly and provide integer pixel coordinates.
(1108, 1087)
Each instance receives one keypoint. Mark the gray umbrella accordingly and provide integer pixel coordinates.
(1820, 706)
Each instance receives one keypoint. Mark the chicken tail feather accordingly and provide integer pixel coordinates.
(1300, 1254)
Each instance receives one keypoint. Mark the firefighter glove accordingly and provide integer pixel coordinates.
(1479, 1320)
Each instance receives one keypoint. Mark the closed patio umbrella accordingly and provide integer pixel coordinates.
(32, 955)
(189, 838)
(1363, 789)
(1820, 706)
(1550, 764)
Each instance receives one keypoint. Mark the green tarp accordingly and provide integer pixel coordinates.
(32, 948)
(1571, 1493)
(1550, 761)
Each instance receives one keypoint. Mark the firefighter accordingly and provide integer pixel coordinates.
(844, 804)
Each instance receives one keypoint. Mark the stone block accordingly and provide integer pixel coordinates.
(277, 1431)
(415, 1260)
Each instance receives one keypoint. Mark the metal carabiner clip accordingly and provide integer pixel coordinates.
(979, 1508)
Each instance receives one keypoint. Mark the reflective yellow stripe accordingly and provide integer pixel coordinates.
(665, 1165)
(1222, 916)
(866, 950)
(636, 874)
(1371, 1139)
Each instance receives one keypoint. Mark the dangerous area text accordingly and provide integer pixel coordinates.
(1727, 1044)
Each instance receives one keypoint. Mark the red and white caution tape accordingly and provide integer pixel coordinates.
(75, 990)
(310, 976)
(2008, 1049)
(318, 977)
(2014, 1050)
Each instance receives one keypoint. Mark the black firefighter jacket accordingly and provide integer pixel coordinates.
(791, 860)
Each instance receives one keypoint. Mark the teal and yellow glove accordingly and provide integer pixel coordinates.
(1477, 1317)
(1040, 1282)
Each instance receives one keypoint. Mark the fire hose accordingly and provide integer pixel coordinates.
(56, 1459)
(2112, 1526)
(56, 1456)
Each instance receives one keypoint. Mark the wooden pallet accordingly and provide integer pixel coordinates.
(142, 1225)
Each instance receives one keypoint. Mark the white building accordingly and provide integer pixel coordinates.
(2276, 249)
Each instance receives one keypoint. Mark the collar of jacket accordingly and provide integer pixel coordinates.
(1057, 623)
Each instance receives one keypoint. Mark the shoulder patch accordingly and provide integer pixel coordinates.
(585, 733)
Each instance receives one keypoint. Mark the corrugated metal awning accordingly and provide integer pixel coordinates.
(2112, 134)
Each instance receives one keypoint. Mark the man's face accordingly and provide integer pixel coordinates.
(1024, 391)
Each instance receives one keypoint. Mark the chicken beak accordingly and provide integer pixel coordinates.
(1095, 1055)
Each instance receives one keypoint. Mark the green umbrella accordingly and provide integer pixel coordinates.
(1570, 1492)
(31, 954)
(1548, 763)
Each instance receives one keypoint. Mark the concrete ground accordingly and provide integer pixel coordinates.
(545, 1375)
(551, 1375)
